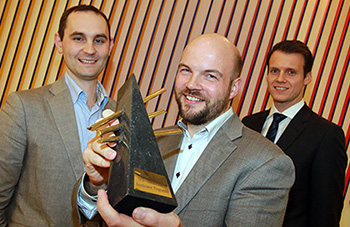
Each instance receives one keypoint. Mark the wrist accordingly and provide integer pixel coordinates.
(90, 188)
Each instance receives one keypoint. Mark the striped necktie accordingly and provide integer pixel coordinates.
(277, 118)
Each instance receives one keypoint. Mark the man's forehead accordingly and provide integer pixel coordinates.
(86, 17)
(82, 22)
(294, 58)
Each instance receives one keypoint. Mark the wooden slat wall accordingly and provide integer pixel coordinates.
(150, 36)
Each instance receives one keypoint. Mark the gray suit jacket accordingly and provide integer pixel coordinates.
(241, 179)
(40, 157)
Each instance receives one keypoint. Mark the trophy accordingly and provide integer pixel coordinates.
(137, 176)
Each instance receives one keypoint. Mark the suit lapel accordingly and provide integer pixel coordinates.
(170, 147)
(64, 117)
(217, 151)
(259, 121)
(295, 128)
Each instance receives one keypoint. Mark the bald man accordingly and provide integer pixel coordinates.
(222, 173)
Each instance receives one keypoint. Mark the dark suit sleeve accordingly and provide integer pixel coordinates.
(328, 173)
(12, 150)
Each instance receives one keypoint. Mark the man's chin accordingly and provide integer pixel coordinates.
(197, 118)
(92, 76)
(189, 114)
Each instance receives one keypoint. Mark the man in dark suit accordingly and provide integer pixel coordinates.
(43, 131)
(223, 173)
(316, 146)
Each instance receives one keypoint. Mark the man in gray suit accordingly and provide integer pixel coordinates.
(43, 131)
(223, 173)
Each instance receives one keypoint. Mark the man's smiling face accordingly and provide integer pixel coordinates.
(86, 45)
(205, 82)
(285, 79)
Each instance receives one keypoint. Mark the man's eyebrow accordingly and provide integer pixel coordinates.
(206, 71)
(82, 34)
(101, 36)
(182, 65)
(283, 68)
(77, 34)
(212, 71)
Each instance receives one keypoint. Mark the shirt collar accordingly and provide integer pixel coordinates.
(101, 94)
(213, 126)
(290, 112)
(75, 90)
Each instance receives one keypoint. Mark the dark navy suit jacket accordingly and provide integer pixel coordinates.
(317, 148)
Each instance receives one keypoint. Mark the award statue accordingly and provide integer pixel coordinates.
(137, 176)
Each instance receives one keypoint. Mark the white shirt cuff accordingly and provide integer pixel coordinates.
(86, 203)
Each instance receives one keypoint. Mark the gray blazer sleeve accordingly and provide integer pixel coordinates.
(261, 198)
(12, 149)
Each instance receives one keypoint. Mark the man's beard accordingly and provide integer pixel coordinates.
(205, 115)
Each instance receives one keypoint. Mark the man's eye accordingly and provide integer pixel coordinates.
(184, 70)
(100, 41)
(211, 76)
(291, 72)
(77, 38)
(274, 71)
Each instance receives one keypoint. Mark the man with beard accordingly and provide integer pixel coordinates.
(222, 173)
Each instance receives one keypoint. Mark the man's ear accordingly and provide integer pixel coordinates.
(58, 43)
(111, 45)
(308, 78)
(235, 86)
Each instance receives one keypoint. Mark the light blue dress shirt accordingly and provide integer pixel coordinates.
(84, 116)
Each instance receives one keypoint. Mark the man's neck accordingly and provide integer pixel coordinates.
(290, 108)
(193, 129)
(282, 107)
(90, 90)
(89, 86)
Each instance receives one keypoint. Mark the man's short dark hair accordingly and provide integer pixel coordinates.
(291, 47)
(80, 8)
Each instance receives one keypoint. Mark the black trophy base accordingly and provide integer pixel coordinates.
(129, 203)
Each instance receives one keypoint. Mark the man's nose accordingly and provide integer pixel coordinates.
(193, 82)
(89, 48)
(281, 77)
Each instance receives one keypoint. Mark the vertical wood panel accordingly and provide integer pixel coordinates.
(150, 36)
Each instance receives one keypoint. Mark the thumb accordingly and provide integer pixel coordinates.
(150, 217)
(111, 216)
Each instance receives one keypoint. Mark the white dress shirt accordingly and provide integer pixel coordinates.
(289, 113)
(192, 148)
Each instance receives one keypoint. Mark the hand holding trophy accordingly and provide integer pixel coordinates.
(137, 177)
